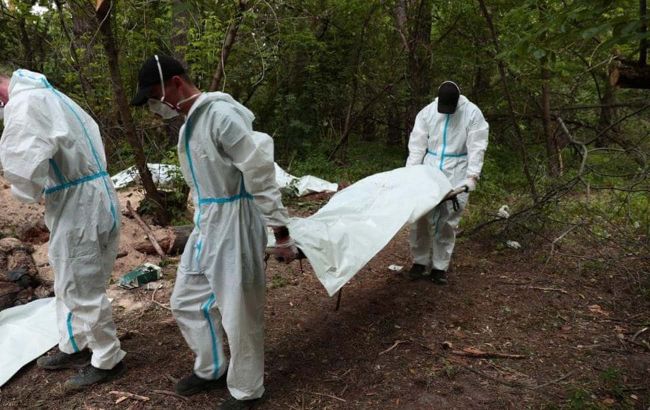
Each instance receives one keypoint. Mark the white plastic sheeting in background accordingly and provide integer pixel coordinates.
(163, 174)
(26, 332)
(304, 185)
(359, 221)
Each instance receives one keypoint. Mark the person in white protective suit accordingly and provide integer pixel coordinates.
(220, 282)
(51, 148)
(451, 135)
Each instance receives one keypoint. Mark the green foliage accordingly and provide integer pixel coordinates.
(316, 71)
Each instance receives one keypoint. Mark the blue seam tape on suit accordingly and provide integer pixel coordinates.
(444, 142)
(75, 182)
(463, 154)
(57, 171)
(70, 334)
(215, 351)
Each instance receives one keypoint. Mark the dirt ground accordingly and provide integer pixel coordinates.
(394, 343)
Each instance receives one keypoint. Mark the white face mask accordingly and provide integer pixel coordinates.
(160, 107)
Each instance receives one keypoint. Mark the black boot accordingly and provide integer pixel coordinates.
(233, 404)
(91, 375)
(417, 271)
(194, 384)
(60, 360)
(438, 276)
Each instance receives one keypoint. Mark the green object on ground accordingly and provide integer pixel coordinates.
(141, 275)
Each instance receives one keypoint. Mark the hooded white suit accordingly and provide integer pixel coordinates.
(455, 144)
(220, 283)
(51, 147)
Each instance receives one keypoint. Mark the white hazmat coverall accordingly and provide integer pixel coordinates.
(220, 284)
(51, 147)
(455, 144)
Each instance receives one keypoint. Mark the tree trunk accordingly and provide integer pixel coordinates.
(643, 46)
(394, 134)
(413, 20)
(112, 53)
(76, 62)
(607, 115)
(28, 53)
(506, 90)
(171, 244)
(552, 151)
(231, 36)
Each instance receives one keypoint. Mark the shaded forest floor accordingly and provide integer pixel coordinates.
(394, 342)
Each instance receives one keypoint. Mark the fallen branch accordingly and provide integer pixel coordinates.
(126, 395)
(556, 240)
(153, 298)
(146, 229)
(479, 354)
(170, 393)
(397, 343)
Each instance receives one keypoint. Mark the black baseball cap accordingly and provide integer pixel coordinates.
(448, 95)
(149, 75)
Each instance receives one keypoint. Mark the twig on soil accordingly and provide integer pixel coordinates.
(555, 241)
(639, 332)
(337, 378)
(170, 393)
(153, 299)
(479, 354)
(126, 395)
(492, 378)
(548, 289)
(553, 381)
(642, 344)
(397, 343)
(147, 230)
(534, 287)
(627, 321)
(325, 395)
(344, 390)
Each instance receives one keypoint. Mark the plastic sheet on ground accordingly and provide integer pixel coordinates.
(26, 332)
(359, 221)
(307, 184)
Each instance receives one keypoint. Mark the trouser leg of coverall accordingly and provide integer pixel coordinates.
(84, 313)
(193, 305)
(241, 308)
(420, 240)
(445, 222)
